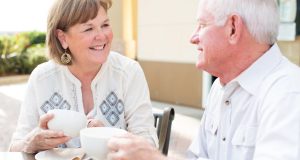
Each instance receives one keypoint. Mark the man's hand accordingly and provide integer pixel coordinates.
(130, 147)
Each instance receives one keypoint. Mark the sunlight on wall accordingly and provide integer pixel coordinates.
(164, 29)
(23, 15)
(2, 114)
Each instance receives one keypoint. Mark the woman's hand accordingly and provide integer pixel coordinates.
(94, 122)
(42, 139)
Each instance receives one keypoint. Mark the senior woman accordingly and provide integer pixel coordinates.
(85, 76)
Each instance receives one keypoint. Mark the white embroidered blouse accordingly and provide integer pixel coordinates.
(120, 93)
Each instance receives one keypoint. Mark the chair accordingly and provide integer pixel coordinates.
(163, 123)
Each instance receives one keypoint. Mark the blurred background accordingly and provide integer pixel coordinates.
(154, 32)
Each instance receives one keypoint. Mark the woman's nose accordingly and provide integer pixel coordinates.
(195, 38)
(100, 34)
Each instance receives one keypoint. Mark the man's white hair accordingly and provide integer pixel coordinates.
(260, 16)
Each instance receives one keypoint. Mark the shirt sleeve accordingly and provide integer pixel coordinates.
(29, 116)
(278, 132)
(138, 111)
(198, 148)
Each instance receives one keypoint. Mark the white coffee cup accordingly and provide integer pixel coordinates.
(68, 121)
(94, 140)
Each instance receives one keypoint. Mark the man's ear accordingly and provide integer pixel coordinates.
(62, 38)
(235, 28)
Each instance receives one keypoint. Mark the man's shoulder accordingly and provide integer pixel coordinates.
(281, 82)
(285, 76)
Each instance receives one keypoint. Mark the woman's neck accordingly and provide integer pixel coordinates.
(84, 74)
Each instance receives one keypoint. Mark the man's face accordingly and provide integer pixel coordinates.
(211, 43)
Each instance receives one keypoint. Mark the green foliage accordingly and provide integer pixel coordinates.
(26, 39)
(22, 52)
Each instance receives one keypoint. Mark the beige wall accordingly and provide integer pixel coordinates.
(164, 29)
(123, 16)
(177, 83)
(291, 49)
(164, 51)
(115, 17)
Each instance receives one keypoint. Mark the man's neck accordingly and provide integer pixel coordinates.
(244, 58)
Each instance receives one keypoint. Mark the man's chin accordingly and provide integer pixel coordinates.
(199, 66)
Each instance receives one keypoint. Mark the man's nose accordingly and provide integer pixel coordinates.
(194, 39)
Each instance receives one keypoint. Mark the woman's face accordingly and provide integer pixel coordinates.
(89, 42)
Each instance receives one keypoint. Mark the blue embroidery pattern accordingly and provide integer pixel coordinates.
(113, 118)
(56, 99)
(112, 108)
(120, 106)
(55, 102)
(104, 107)
(47, 106)
(112, 98)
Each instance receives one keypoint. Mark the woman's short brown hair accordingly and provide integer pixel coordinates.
(65, 14)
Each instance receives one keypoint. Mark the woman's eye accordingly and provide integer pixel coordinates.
(105, 25)
(88, 29)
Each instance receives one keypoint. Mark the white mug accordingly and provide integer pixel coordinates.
(68, 121)
(94, 140)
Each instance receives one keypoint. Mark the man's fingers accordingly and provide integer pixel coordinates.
(113, 144)
(118, 142)
(44, 119)
(125, 135)
(119, 155)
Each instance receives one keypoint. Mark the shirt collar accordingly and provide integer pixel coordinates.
(251, 78)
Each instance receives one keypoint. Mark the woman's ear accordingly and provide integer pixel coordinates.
(235, 28)
(62, 38)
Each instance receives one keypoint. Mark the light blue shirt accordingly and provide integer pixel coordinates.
(253, 117)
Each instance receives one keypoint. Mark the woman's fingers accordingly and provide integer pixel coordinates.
(44, 119)
(52, 134)
(94, 123)
(41, 139)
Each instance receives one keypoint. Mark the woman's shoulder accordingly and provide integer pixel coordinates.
(121, 62)
(45, 69)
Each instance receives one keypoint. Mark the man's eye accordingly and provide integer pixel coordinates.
(202, 26)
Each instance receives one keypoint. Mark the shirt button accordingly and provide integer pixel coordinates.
(224, 139)
(227, 102)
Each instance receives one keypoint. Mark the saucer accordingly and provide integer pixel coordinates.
(60, 154)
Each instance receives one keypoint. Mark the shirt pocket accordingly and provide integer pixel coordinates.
(211, 129)
(211, 125)
(243, 142)
(245, 136)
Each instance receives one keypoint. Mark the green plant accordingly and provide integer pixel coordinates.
(22, 52)
(34, 56)
(25, 40)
